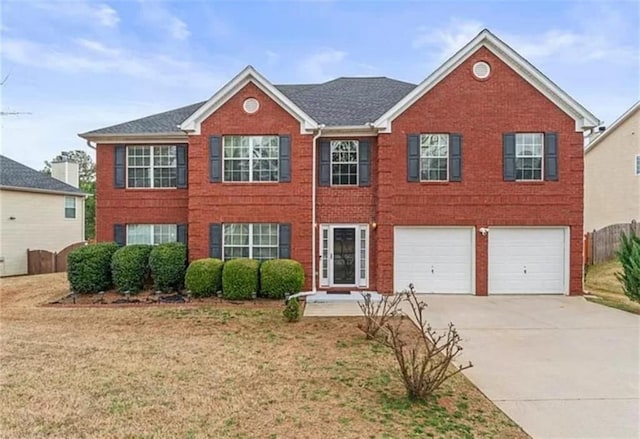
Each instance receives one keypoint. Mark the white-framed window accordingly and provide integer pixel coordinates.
(256, 241)
(150, 166)
(344, 162)
(251, 158)
(529, 154)
(638, 164)
(434, 157)
(69, 207)
(152, 234)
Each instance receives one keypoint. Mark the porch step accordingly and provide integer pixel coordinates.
(353, 296)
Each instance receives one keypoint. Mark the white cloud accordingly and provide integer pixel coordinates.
(272, 57)
(155, 13)
(83, 10)
(449, 39)
(97, 47)
(320, 65)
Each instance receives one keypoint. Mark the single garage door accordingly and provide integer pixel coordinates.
(434, 259)
(527, 260)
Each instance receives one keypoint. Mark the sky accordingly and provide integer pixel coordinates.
(74, 66)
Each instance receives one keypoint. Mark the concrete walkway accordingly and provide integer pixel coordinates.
(560, 367)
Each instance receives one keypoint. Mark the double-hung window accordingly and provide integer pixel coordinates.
(256, 241)
(251, 158)
(151, 166)
(344, 162)
(529, 154)
(434, 157)
(151, 233)
(638, 164)
(69, 207)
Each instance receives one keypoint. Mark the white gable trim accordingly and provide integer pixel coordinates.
(192, 124)
(630, 112)
(584, 119)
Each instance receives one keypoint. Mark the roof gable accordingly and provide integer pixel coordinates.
(622, 119)
(15, 175)
(249, 74)
(583, 118)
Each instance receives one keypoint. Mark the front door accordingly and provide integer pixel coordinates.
(344, 255)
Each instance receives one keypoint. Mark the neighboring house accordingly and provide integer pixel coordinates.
(469, 182)
(612, 174)
(38, 212)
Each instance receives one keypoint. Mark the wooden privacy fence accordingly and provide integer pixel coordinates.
(44, 261)
(601, 245)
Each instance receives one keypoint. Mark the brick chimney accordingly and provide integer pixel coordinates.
(67, 171)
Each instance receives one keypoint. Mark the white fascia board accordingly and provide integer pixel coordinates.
(584, 119)
(141, 138)
(192, 124)
(627, 114)
(44, 191)
(350, 131)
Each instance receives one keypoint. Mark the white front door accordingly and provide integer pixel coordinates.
(344, 252)
(434, 259)
(528, 260)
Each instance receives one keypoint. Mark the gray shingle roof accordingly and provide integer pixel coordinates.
(16, 174)
(340, 102)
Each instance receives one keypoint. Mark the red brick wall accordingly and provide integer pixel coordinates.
(132, 206)
(481, 111)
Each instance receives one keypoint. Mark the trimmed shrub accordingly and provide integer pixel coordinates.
(168, 263)
(240, 279)
(292, 310)
(204, 277)
(130, 267)
(89, 267)
(629, 257)
(279, 277)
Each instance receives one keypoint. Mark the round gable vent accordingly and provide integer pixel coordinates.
(481, 70)
(251, 105)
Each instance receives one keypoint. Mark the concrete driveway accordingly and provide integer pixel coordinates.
(560, 367)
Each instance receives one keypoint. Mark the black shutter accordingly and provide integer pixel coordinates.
(181, 166)
(325, 164)
(215, 241)
(284, 242)
(551, 156)
(413, 157)
(119, 170)
(455, 157)
(120, 234)
(285, 159)
(509, 156)
(181, 230)
(364, 163)
(215, 159)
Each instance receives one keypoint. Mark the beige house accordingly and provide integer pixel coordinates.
(37, 212)
(612, 173)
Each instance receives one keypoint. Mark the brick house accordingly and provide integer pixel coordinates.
(469, 182)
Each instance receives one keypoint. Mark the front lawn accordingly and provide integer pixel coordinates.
(209, 371)
(606, 289)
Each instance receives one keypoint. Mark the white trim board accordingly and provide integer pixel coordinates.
(627, 114)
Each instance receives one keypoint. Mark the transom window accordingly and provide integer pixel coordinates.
(638, 164)
(69, 207)
(151, 166)
(152, 234)
(256, 241)
(344, 162)
(251, 158)
(434, 157)
(529, 152)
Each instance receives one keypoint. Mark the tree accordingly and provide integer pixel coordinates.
(87, 177)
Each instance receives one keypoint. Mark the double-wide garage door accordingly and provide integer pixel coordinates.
(442, 260)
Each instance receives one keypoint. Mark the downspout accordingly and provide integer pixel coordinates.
(314, 184)
(90, 145)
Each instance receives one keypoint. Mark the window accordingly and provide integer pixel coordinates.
(638, 164)
(151, 233)
(529, 152)
(434, 157)
(69, 207)
(151, 166)
(256, 241)
(344, 162)
(251, 158)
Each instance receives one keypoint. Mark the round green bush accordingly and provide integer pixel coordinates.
(204, 277)
(89, 267)
(168, 263)
(130, 267)
(240, 279)
(279, 277)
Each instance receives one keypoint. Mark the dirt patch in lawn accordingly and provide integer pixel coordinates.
(207, 371)
(605, 288)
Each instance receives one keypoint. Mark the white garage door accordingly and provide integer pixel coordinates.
(434, 260)
(527, 260)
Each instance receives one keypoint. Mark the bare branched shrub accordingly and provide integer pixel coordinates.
(425, 361)
(377, 313)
